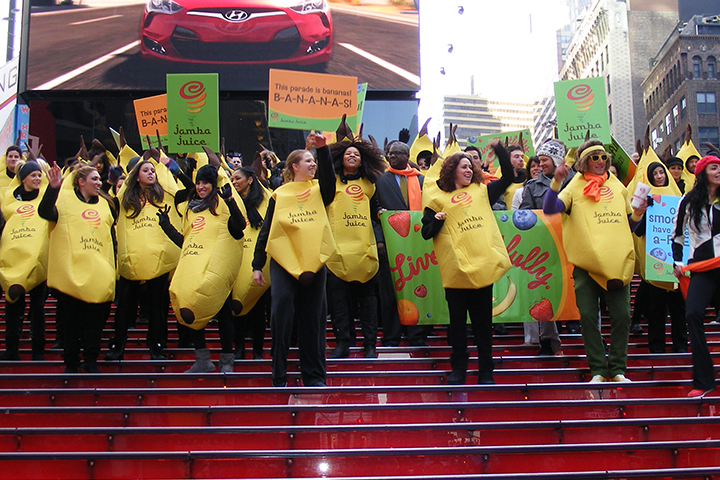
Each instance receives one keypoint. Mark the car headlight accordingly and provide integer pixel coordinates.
(309, 6)
(163, 6)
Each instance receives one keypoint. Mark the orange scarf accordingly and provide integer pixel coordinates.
(592, 189)
(701, 266)
(414, 194)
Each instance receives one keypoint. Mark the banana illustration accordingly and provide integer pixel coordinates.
(507, 301)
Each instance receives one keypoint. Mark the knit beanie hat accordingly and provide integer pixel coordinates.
(673, 161)
(552, 149)
(207, 174)
(704, 162)
(28, 168)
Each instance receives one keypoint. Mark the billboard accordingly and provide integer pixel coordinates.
(10, 38)
(132, 44)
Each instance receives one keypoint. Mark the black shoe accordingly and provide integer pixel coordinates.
(38, 357)
(457, 377)
(239, 353)
(90, 367)
(636, 329)
(113, 355)
(10, 356)
(499, 329)
(340, 351)
(485, 379)
(573, 329)
(418, 343)
(370, 352)
(257, 355)
(70, 369)
(158, 356)
(318, 384)
(56, 346)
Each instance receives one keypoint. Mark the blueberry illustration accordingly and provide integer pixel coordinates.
(658, 253)
(503, 218)
(472, 139)
(524, 219)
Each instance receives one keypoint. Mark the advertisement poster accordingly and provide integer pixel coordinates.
(622, 161)
(659, 219)
(538, 286)
(361, 94)
(482, 142)
(311, 101)
(581, 106)
(151, 117)
(193, 112)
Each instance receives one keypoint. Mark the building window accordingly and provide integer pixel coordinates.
(668, 124)
(697, 67)
(675, 115)
(607, 80)
(706, 102)
(711, 67)
(654, 138)
(683, 107)
(610, 113)
(602, 61)
(708, 135)
(607, 55)
(678, 145)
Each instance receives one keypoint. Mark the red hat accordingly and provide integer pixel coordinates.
(704, 162)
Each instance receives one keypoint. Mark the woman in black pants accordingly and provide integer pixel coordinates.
(296, 234)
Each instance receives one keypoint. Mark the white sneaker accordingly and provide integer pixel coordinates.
(597, 379)
(620, 378)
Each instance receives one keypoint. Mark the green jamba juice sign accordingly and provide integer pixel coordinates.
(581, 106)
(193, 112)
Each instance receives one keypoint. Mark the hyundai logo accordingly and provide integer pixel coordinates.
(236, 15)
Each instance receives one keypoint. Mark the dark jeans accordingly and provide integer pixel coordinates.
(305, 305)
(14, 314)
(478, 303)
(341, 297)
(660, 302)
(253, 322)
(83, 328)
(700, 292)
(127, 299)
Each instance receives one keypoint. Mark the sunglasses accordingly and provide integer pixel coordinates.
(597, 158)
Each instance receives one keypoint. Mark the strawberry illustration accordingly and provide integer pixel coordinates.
(420, 291)
(542, 311)
(400, 222)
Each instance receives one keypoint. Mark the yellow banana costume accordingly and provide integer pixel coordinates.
(599, 230)
(81, 259)
(469, 248)
(208, 267)
(686, 151)
(24, 244)
(356, 257)
(300, 239)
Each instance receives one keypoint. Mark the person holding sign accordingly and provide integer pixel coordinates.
(598, 241)
(699, 212)
(296, 235)
(470, 253)
(81, 261)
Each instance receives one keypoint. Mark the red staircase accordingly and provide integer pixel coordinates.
(390, 418)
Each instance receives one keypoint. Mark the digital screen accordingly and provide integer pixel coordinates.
(133, 45)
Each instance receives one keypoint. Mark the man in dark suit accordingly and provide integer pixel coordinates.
(396, 189)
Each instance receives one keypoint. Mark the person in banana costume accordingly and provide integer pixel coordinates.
(470, 253)
(209, 263)
(12, 156)
(81, 261)
(352, 271)
(145, 256)
(251, 300)
(296, 235)
(23, 260)
(597, 222)
(661, 297)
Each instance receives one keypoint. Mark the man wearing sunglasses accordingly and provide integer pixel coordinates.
(597, 235)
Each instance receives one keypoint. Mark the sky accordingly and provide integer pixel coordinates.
(509, 47)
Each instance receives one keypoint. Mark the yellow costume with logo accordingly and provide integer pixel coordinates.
(469, 249)
(208, 267)
(246, 291)
(599, 231)
(356, 257)
(24, 244)
(81, 258)
(300, 239)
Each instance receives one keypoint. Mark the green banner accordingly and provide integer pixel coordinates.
(581, 105)
(193, 112)
(361, 93)
(538, 286)
(625, 166)
(482, 142)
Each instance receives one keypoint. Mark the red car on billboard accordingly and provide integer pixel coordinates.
(238, 31)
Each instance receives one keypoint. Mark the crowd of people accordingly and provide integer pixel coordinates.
(293, 242)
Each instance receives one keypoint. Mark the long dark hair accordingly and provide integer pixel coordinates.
(372, 164)
(135, 196)
(446, 181)
(254, 197)
(698, 197)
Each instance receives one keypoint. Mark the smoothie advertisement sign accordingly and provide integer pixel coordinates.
(132, 45)
(538, 286)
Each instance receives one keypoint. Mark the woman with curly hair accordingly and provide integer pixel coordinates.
(597, 230)
(470, 253)
(145, 255)
(699, 212)
(352, 270)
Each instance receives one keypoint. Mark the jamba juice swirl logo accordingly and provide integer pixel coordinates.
(606, 195)
(193, 93)
(463, 198)
(355, 192)
(92, 217)
(583, 97)
(197, 224)
(25, 211)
